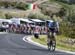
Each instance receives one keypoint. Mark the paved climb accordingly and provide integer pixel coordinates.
(13, 44)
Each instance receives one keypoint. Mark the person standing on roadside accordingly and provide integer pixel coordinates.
(36, 31)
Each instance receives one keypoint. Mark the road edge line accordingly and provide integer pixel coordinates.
(28, 39)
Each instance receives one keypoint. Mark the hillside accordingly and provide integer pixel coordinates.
(17, 0)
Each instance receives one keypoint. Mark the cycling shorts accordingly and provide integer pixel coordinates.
(52, 30)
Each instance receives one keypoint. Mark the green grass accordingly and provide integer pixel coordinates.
(60, 45)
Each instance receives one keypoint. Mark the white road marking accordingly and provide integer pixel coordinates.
(28, 39)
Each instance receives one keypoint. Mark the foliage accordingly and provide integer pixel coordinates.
(53, 8)
(19, 5)
(38, 16)
(67, 29)
(5, 4)
(62, 12)
(13, 4)
(8, 16)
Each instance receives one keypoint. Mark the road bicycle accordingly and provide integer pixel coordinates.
(51, 43)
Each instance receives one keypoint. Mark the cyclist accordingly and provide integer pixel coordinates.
(53, 27)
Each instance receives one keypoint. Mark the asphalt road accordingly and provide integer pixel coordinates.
(12, 44)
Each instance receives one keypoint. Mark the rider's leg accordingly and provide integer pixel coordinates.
(53, 39)
(48, 42)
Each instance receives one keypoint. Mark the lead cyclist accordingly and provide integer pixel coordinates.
(51, 37)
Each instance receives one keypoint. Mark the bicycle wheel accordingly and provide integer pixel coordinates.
(53, 46)
(48, 44)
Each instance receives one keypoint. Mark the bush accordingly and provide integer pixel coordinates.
(67, 29)
(22, 6)
(8, 16)
(62, 12)
(19, 5)
(13, 4)
(5, 4)
(38, 16)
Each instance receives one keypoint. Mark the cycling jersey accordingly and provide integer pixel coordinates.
(53, 26)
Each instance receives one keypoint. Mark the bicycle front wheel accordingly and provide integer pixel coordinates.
(53, 46)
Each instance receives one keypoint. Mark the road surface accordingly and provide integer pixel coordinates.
(12, 44)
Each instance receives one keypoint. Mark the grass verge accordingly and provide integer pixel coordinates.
(59, 40)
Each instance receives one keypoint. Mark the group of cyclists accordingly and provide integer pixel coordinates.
(27, 28)
(50, 29)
